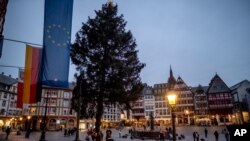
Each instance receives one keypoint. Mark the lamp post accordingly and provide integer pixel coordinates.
(172, 102)
(28, 127)
(44, 120)
(187, 112)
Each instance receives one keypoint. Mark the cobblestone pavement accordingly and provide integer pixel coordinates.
(58, 136)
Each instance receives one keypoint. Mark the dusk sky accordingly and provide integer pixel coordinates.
(198, 38)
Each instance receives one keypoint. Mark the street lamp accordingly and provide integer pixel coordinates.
(172, 102)
(28, 129)
(187, 113)
(44, 120)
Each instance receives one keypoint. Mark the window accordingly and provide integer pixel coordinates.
(2, 111)
(4, 103)
(156, 105)
(164, 105)
(53, 110)
(65, 111)
(65, 103)
(5, 95)
(53, 101)
(164, 112)
(160, 105)
(156, 98)
(160, 112)
(215, 87)
(11, 104)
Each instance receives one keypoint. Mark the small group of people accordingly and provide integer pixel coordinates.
(216, 135)
(196, 136)
(165, 133)
(109, 135)
(92, 135)
(69, 132)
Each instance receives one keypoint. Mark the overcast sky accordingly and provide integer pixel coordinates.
(198, 38)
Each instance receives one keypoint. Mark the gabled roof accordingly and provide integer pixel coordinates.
(217, 85)
(7, 80)
(236, 86)
(199, 88)
(147, 90)
(180, 84)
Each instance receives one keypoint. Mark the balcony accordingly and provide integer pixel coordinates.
(201, 108)
(200, 101)
(220, 98)
(137, 114)
(221, 106)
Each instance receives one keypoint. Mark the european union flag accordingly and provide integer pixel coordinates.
(56, 40)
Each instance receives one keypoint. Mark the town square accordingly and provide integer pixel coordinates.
(116, 70)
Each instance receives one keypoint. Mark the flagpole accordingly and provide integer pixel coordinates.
(44, 120)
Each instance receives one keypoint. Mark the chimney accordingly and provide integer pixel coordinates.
(2, 73)
(9, 75)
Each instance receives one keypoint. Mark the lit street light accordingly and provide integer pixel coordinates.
(28, 129)
(172, 102)
(187, 113)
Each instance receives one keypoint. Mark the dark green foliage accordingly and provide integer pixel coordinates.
(106, 58)
(86, 110)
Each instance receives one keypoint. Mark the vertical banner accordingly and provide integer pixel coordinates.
(3, 9)
(31, 73)
(20, 88)
(56, 41)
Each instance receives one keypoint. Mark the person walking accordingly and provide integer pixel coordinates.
(227, 135)
(216, 134)
(161, 136)
(205, 132)
(194, 135)
(120, 133)
(65, 132)
(7, 132)
(197, 137)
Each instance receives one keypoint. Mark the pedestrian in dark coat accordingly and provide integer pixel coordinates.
(197, 137)
(205, 132)
(7, 132)
(161, 136)
(65, 132)
(194, 135)
(216, 134)
(227, 136)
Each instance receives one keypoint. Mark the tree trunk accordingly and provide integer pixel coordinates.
(99, 117)
(77, 125)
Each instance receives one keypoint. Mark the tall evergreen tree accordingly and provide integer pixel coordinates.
(108, 67)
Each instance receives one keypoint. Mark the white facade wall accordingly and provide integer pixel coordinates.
(112, 113)
(149, 102)
(8, 102)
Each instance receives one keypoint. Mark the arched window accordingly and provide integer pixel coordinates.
(52, 124)
(71, 123)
